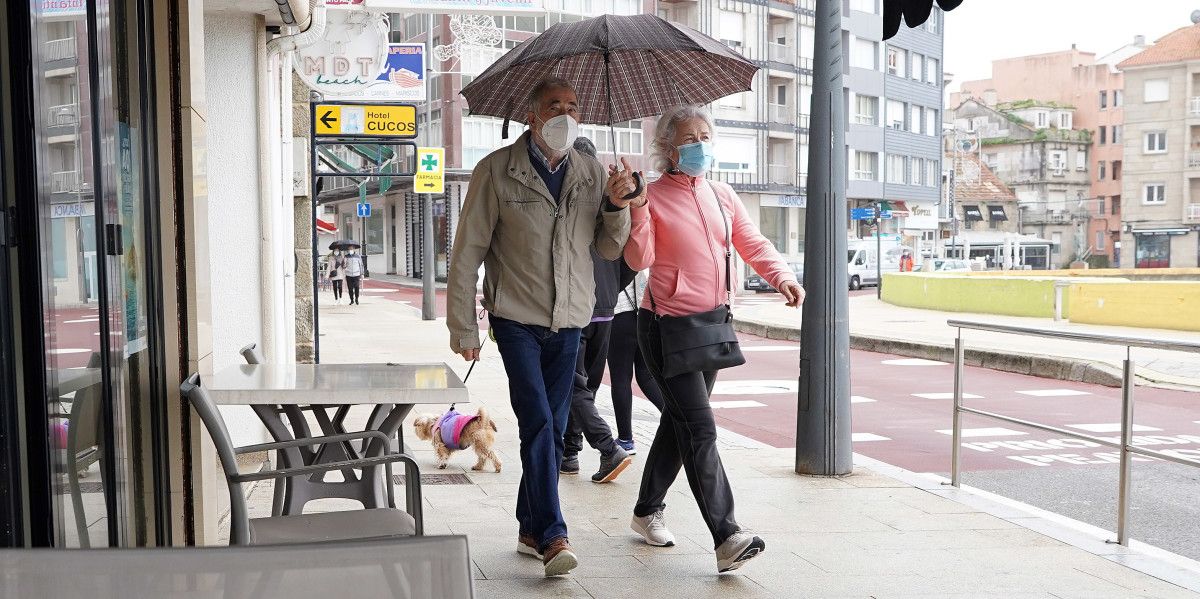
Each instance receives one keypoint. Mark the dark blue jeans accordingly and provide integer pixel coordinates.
(540, 365)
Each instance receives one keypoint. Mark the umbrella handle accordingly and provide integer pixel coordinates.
(637, 191)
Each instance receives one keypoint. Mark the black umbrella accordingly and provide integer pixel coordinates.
(344, 244)
(622, 68)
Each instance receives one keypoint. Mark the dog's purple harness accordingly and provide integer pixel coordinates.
(450, 426)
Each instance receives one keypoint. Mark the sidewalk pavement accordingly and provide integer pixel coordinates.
(866, 535)
(882, 327)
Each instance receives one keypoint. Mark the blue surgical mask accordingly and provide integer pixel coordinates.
(695, 159)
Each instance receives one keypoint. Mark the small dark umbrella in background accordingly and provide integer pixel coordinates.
(344, 244)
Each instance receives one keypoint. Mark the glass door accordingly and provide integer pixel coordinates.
(103, 387)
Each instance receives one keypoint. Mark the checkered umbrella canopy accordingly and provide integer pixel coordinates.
(652, 65)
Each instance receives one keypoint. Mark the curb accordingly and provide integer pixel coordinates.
(1052, 367)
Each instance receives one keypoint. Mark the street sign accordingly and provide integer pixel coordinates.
(364, 210)
(365, 120)
(862, 213)
(431, 171)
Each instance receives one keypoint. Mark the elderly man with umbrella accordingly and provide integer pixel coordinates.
(536, 207)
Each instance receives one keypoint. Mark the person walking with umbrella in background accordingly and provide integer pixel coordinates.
(337, 272)
(354, 267)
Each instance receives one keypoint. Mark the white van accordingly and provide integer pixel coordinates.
(861, 270)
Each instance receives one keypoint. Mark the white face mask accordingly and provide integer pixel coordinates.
(560, 133)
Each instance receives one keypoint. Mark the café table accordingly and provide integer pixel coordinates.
(391, 389)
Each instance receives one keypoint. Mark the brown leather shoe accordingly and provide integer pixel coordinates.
(527, 545)
(559, 559)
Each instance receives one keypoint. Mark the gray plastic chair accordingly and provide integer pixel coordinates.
(303, 528)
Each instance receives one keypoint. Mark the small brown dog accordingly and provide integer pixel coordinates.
(452, 431)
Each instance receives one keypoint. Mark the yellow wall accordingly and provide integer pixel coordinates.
(972, 292)
(1146, 304)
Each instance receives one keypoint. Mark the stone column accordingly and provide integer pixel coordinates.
(305, 302)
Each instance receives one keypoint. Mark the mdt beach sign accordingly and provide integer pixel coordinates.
(349, 58)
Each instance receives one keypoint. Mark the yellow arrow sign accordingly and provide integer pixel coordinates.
(431, 171)
(366, 120)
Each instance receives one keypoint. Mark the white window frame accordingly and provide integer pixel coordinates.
(1118, 98)
(897, 61)
(1101, 170)
(931, 68)
(1156, 90)
(1064, 120)
(1150, 198)
(1080, 160)
(1116, 133)
(871, 161)
(1042, 119)
(1148, 142)
(858, 54)
(933, 173)
(1100, 237)
(931, 122)
(896, 169)
(916, 171)
(890, 118)
(867, 6)
(863, 118)
(915, 113)
(916, 68)
(1057, 160)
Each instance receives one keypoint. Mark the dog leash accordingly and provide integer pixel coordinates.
(476, 360)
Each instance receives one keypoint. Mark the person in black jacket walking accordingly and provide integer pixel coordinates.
(584, 420)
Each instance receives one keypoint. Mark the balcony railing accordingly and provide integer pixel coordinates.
(781, 174)
(1194, 106)
(779, 113)
(64, 181)
(1194, 159)
(1192, 213)
(63, 115)
(781, 53)
(60, 49)
(1037, 216)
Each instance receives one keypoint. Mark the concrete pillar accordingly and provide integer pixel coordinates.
(305, 301)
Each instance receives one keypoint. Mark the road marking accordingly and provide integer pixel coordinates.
(380, 290)
(738, 403)
(864, 437)
(945, 396)
(755, 387)
(764, 348)
(59, 352)
(84, 321)
(860, 399)
(1054, 392)
(914, 362)
(996, 431)
(1112, 427)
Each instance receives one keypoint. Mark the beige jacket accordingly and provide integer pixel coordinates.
(536, 253)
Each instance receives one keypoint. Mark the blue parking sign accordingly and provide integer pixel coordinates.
(364, 210)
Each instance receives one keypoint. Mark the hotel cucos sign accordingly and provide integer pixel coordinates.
(351, 55)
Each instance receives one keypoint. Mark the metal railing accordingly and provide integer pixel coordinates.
(1192, 212)
(60, 49)
(63, 115)
(1125, 446)
(781, 53)
(1194, 106)
(64, 181)
(779, 113)
(1194, 159)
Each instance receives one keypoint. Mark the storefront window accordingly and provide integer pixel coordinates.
(1152, 251)
(773, 224)
(374, 225)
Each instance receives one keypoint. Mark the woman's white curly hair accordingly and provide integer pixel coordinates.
(664, 133)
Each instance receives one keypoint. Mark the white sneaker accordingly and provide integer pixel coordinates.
(738, 549)
(653, 528)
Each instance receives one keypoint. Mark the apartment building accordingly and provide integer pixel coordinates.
(1034, 148)
(894, 105)
(762, 135)
(1161, 217)
(1094, 88)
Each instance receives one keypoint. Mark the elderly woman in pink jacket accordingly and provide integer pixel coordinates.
(683, 232)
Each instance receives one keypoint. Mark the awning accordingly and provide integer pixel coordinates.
(1169, 231)
(996, 212)
(326, 227)
(972, 213)
(896, 207)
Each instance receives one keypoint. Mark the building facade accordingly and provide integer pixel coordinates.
(1094, 87)
(894, 108)
(1034, 148)
(1161, 178)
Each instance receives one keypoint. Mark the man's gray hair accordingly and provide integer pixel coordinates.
(664, 133)
(539, 91)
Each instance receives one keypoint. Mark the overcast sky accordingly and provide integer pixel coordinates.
(979, 31)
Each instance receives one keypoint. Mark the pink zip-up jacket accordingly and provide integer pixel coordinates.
(679, 236)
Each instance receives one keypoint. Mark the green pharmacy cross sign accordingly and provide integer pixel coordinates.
(429, 162)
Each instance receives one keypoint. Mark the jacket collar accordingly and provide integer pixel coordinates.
(679, 179)
(520, 168)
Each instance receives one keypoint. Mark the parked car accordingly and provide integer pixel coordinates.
(940, 265)
(758, 284)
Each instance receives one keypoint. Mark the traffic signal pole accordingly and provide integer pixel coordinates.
(823, 434)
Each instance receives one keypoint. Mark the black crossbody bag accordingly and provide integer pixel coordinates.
(704, 341)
